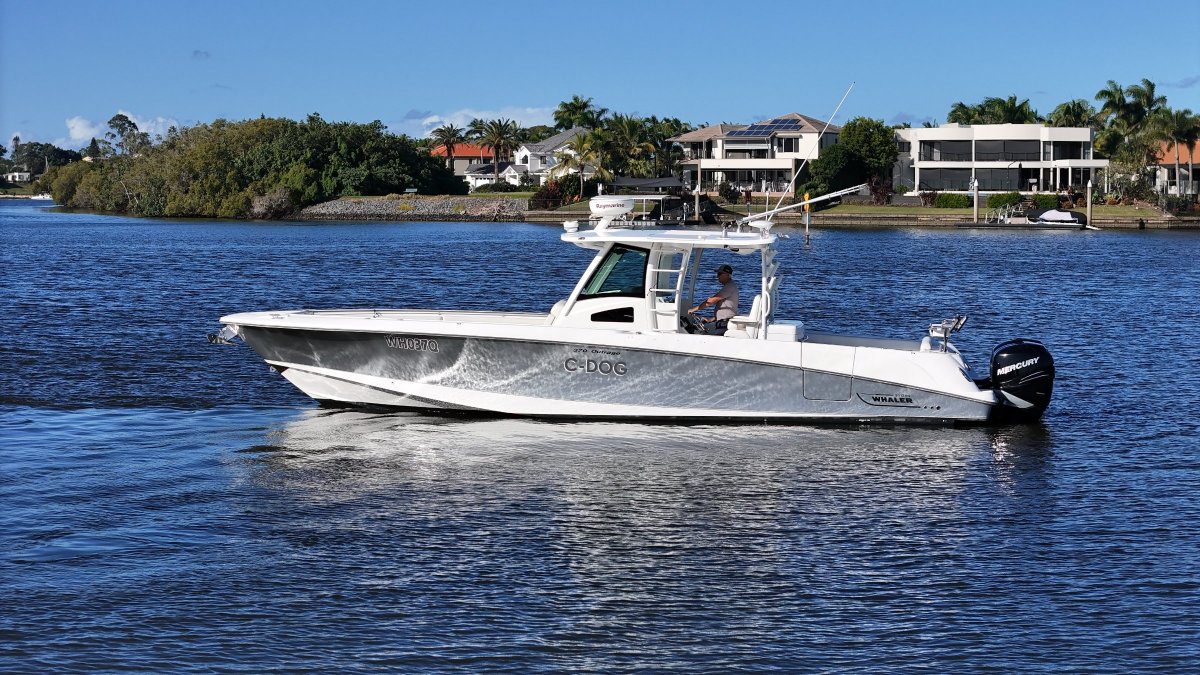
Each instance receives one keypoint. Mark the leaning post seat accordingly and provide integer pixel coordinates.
(746, 326)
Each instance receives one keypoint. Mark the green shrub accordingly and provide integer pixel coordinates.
(502, 186)
(812, 188)
(1046, 201)
(1003, 199)
(1175, 205)
(728, 192)
(549, 196)
(901, 189)
(951, 201)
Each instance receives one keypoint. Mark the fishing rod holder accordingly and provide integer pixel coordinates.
(942, 331)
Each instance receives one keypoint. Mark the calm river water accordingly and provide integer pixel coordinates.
(168, 505)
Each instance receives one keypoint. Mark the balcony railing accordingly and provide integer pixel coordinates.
(981, 157)
(946, 157)
(1007, 156)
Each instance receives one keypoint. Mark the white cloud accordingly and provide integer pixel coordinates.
(80, 130)
(526, 117)
(155, 126)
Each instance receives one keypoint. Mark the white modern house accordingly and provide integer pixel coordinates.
(18, 177)
(1002, 157)
(760, 156)
(538, 159)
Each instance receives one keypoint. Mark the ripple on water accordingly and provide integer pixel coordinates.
(168, 505)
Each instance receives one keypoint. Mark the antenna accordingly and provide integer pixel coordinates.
(816, 145)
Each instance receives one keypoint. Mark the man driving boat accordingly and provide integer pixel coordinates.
(726, 301)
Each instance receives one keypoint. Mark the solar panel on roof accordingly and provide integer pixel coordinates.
(772, 126)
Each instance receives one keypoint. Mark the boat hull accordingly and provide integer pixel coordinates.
(553, 379)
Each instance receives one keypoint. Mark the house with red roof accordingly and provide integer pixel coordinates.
(465, 154)
(1166, 180)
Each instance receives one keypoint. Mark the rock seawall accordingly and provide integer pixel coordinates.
(419, 208)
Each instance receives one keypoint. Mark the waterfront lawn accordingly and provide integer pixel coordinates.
(739, 210)
(896, 210)
(18, 189)
(1098, 211)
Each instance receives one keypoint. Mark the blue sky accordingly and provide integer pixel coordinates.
(66, 67)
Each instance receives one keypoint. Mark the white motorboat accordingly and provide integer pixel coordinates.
(1057, 217)
(622, 345)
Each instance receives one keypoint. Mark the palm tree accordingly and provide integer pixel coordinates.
(1112, 102)
(1008, 111)
(994, 110)
(592, 119)
(630, 144)
(1076, 113)
(449, 136)
(659, 131)
(961, 113)
(568, 113)
(1144, 103)
(577, 154)
(1129, 135)
(578, 112)
(1177, 127)
(501, 136)
(475, 129)
(602, 141)
(1192, 140)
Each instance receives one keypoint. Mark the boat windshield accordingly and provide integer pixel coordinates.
(622, 272)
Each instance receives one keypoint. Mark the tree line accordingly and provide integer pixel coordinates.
(609, 144)
(269, 167)
(261, 168)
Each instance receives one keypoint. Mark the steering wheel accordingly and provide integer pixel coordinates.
(692, 324)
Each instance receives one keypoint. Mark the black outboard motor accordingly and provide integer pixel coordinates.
(1023, 377)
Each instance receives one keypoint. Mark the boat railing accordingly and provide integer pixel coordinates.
(998, 215)
(1005, 214)
(662, 309)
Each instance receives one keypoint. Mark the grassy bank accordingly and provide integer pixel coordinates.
(738, 210)
(16, 190)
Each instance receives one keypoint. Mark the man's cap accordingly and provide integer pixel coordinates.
(725, 268)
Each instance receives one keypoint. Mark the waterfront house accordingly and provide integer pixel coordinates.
(1165, 180)
(465, 154)
(532, 162)
(763, 155)
(538, 159)
(18, 177)
(1002, 157)
(485, 174)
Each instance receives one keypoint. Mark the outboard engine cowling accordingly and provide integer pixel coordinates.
(1023, 376)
